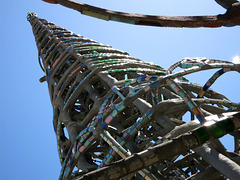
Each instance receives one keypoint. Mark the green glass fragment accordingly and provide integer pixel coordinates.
(216, 130)
(125, 20)
(227, 124)
(203, 134)
(97, 15)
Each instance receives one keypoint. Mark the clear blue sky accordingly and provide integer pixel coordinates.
(28, 145)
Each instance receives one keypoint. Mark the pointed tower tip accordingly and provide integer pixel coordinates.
(31, 15)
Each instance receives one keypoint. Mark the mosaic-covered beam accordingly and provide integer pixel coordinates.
(230, 18)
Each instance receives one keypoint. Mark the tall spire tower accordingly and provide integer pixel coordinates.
(108, 106)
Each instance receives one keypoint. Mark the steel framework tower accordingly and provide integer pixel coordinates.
(110, 107)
